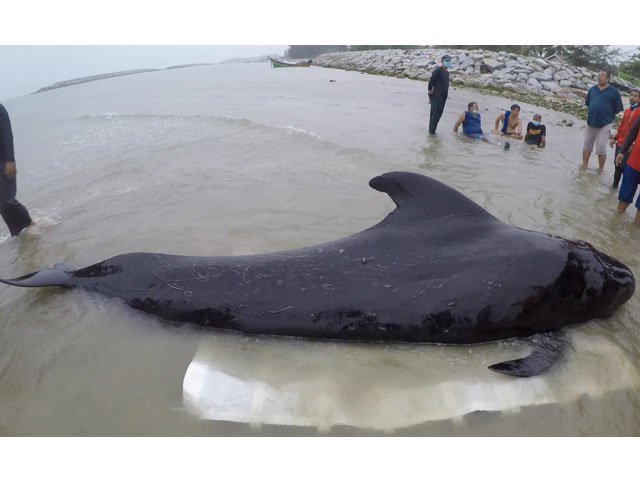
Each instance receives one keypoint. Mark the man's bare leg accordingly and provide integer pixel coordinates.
(585, 158)
(601, 160)
(622, 207)
(637, 220)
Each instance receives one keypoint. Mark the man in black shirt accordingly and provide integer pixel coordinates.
(438, 90)
(12, 211)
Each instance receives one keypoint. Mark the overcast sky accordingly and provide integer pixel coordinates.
(69, 24)
(25, 69)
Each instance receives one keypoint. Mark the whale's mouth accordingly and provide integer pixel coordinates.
(618, 282)
(620, 274)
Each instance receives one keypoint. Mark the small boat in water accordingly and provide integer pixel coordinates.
(277, 63)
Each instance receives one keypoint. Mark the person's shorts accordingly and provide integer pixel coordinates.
(598, 136)
(630, 180)
(475, 136)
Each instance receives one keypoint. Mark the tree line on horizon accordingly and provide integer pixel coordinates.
(589, 56)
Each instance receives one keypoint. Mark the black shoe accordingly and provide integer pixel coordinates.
(507, 145)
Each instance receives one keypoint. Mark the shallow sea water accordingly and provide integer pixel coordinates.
(241, 158)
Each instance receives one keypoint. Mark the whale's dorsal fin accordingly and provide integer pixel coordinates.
(418, 196)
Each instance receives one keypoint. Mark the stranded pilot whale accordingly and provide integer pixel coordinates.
(438, 269)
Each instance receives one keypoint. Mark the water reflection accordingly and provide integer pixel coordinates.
(389, 388)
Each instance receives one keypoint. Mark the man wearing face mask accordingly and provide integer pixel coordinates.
(471, 123)
(536, 132)
(438, 90)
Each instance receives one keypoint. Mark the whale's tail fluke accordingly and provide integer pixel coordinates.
(57, 276)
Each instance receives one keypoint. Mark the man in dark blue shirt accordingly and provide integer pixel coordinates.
(12, 211)
(604, 104)
(438, 90)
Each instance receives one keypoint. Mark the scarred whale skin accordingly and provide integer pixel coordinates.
(437, 269)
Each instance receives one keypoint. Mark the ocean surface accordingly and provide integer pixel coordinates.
(237, 159)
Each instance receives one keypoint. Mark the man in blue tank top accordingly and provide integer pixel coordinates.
(438, 90)
(471, 123)
(511, 123)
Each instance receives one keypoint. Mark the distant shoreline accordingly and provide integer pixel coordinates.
(93, 78)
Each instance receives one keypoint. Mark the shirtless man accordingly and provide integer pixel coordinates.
(511, 123)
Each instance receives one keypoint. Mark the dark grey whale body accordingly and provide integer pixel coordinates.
(438, 269)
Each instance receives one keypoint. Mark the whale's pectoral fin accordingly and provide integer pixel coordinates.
(548, 349)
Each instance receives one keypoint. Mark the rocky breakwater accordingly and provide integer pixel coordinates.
(551, 82)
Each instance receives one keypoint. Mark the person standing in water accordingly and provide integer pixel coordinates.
(631, 173)
(629, 116)
(438, 90)
(604, 103)
(12, 211)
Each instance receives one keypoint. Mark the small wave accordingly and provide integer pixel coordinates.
(298, 131)
(108, 115)
(161, 116)
(41, 222)
(117, 117)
